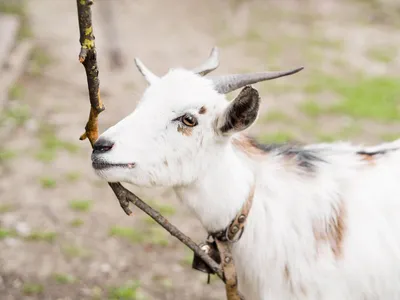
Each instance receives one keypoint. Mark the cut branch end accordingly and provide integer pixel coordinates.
(83, 136)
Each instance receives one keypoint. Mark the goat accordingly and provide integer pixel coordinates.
(324, 222)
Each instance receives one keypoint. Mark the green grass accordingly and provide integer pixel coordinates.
(16, 92)
(389, 137)
(7, 207)
(39, 59)
(48, 182)
(64, 278)
(275, 116)
(6, 155)
(80, 205)
(344, 134)
(164, 209)
(270, 54)
(19, 114)
(50, 144)
(375, 98)
(18, 8)
(4, 233)
(254, 35)
(127, 291)
(127, 233)
(187, 259)
(12, 7)
(382, 54)
(320, 41)
(76, 222)
(214, 279)
(278, 137)
(227, 41)
(96, 293)
(46, 236)
(32, 289)
(158, 236)
(349, 131)
(25, 30)
(326, 138)
(149, 220)
(319, 82)
(73, 176)
(311, 108)
(46, 155)
(74, 251)
(166, 283)
(153, 234)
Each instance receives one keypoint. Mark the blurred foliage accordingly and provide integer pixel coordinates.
(125, 292)
(81, 205)
(32, 289)
(376, 98)
(17, 7)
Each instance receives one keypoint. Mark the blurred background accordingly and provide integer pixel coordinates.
(62, 232)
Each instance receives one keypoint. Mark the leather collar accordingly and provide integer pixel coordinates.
(221, 250)
(234, 231)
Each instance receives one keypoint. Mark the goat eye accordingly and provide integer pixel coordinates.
(189, 120)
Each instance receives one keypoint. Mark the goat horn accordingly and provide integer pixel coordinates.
(147, 74)
(210, 64)
(228, 83)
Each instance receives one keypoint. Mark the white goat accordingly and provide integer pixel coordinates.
(325, 218)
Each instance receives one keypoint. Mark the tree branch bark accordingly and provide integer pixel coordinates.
(87, 57)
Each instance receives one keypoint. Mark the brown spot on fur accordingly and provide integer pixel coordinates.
(339, 228)
(166, 163)
(295, 158)
(370, 159)
(187, 131)
(202, 110)
(303, 290)
(288, 279)
(332, 232)
(246, 145)
(286, 273)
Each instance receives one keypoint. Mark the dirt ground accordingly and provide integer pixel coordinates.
(62, 232)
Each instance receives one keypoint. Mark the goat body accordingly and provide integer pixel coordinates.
(324, 223)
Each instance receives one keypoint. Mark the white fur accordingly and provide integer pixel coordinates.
(213, 178)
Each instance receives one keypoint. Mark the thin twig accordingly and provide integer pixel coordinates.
(125, 196)
(88, 58)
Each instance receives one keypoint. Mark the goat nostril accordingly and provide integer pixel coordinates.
(102, 145)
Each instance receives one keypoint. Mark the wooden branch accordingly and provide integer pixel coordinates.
(88, 58)
(125, 196)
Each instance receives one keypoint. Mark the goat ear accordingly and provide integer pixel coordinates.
(241, 112)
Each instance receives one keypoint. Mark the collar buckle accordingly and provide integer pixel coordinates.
(218, 244)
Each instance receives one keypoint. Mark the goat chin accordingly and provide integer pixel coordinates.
(130, 176)
(114, 174)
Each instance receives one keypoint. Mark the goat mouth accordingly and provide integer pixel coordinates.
(101, 165)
